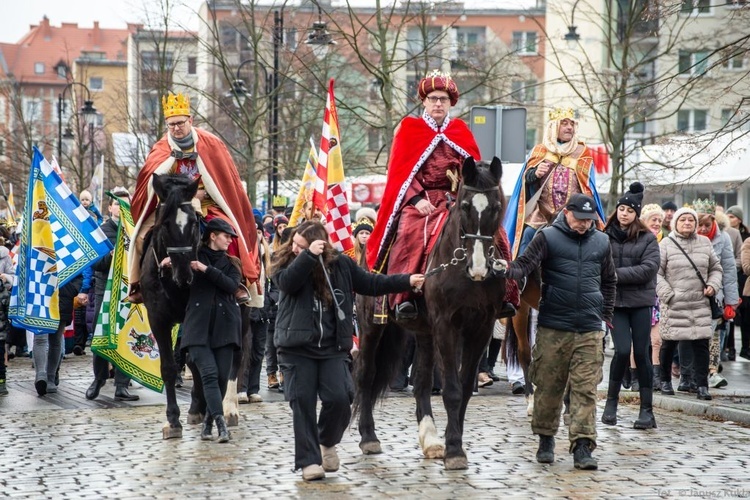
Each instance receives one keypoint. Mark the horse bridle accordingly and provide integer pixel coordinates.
(172, 250)
(459, 253)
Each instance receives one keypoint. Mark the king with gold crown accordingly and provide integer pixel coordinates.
(556, 169)
(199, 154)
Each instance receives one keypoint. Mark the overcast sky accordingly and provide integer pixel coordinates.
(15, 20)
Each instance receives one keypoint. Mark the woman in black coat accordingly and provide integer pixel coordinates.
(313, 335)
(636, 256)
(212, 327)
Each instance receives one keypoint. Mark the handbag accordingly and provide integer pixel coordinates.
(716, 310)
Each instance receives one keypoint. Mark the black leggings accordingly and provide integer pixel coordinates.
(214, 366)
(632, 325)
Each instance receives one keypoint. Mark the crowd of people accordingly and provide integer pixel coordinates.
(664, 283)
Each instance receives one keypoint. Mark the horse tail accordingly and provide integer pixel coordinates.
(379, 359)
(510, 345)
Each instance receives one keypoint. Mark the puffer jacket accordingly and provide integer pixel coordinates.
(637, 262)
(685, 311)
(728, 292)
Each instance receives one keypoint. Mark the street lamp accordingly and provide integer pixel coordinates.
(239, 93)
(87, 110)
(91, 123)
(572, 37)
(319, 39)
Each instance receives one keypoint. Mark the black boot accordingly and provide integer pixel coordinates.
(208, 424)
(666, 388)
(582, 458)
(122, 394)
(635, 385)
(703, 394)
(609, 416)
(646, 418)
(546, 452)
(221, 429)
(685, 382)
(657, 377)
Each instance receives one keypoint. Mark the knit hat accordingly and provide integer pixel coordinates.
(280, 219)
(367, 212)
(633, 198)
(651, 209)
(683, 211)
(363, 225)
(669, 205)
(735, 210)
(437, 80)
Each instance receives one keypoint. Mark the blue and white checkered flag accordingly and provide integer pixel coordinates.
(59, 240)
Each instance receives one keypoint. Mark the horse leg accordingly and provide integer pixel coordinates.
(240, 360)
(163, 334)
(366, 368)
(197, 398)
(432, 446)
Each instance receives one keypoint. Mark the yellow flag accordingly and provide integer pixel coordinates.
(307, 186)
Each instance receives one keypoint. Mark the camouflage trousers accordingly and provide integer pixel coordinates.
(559, 358)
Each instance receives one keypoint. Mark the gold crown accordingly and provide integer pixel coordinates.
(562, 113)
(175, 105)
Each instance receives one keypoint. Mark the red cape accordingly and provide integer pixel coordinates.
(222, 183)
(412, 138)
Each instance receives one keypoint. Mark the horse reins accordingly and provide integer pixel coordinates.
(171, 250)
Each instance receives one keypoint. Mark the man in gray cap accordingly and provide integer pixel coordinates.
(578, 299)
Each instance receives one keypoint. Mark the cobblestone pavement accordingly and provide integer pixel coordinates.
(62, 446)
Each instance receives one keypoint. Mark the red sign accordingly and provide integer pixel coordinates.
(368, 192)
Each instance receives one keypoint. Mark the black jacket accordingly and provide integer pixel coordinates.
(578, 275)
(296, 324)
(212, 316)
(637, 263)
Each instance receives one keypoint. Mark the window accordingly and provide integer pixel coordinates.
(738, 3)
(696, 7)
(96, 83)
(192, 63)
(32, 109)
(290, 39)
(156, 61)
(421, 42)
(39, 68)
(735, 61)
(2, 147)
(524, 42)
(691, 120)
(727, 116)
(468, 45)
(373, 140)
(150, 107)
(523, 91)
(693, 63)
(62, 71)
(2, 109)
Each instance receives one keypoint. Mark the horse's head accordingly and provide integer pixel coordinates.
(176, 231)
(481, 206)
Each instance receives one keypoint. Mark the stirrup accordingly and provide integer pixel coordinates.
(242, 295)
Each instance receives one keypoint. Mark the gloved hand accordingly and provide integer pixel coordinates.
(729, 312)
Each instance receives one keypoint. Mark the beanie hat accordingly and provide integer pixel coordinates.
(651, 209)
(437, 80)
(669, 205)
(683, 211)
(363, 225)
(280, 219)
(735, 210)
(633, 198)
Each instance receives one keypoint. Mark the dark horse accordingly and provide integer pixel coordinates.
(176, 234)
(462, 298)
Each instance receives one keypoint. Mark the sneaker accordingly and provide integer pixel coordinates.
(582, 458)
(313, 472)
(3, 388)
(484, 380)
(716, 381)
(518, 388)
(330, 458)
(255, 398)
(273, 381)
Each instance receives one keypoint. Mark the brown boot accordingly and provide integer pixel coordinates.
(135, 296)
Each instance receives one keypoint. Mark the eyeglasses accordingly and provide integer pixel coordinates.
(177, 124)
(442, 100)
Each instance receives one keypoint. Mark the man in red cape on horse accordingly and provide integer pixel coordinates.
(424, 170)
(200, 155)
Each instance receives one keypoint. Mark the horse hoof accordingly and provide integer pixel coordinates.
(456, 463)
(169, 432)
(233, 420)
(371, 448)
(435, 451)
(194, 418)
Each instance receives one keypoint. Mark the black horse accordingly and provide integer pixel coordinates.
(176, 234)
(462, 298)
